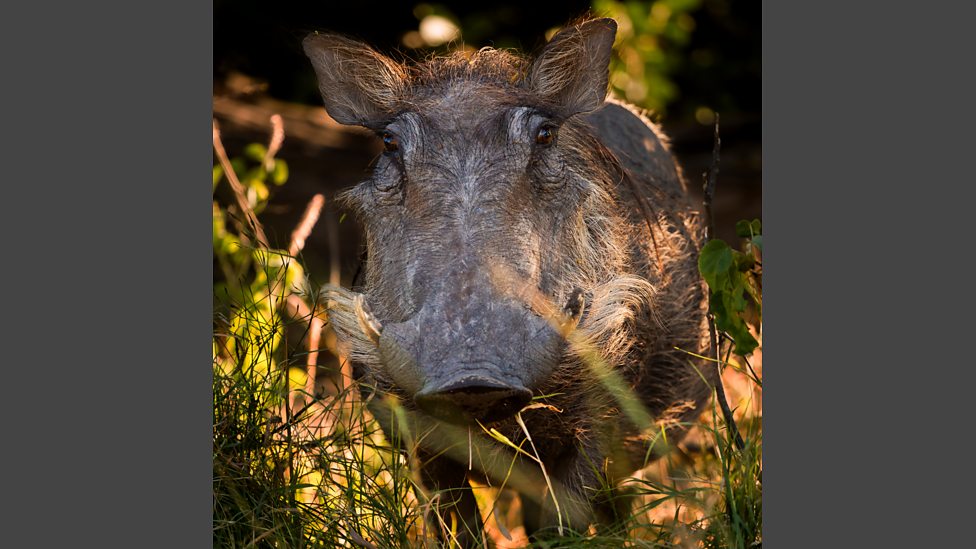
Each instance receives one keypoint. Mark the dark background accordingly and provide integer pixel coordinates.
(259, 68)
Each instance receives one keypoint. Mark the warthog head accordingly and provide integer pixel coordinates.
(491, 231)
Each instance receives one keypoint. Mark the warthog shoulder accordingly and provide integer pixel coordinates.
(638, 144)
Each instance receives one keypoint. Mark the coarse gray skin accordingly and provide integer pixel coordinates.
(504, 265)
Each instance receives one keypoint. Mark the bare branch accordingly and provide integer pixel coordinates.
(277, 138)
(312, 365)
(711, 179)
(304, 228)
(239, 192)
(296, 307)
(708, 188)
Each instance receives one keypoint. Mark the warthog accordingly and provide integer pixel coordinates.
(531, 265)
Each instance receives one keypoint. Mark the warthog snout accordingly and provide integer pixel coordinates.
(476, 347)
(473, 398)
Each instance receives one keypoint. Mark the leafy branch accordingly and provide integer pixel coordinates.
(734, 283)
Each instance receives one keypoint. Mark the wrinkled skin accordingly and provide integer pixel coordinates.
(523, 235)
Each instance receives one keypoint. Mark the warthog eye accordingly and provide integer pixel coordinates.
(390, 142)
(546, 135)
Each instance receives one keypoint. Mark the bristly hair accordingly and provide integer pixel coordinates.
(505, 68)
(487, 65)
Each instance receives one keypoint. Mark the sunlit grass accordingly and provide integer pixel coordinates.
(324, 475)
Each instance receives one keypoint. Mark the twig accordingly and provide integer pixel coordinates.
(301, 232)
(312, 365)
(297, 307)
(304, 228)
(238, 189)
(711, 179)
(277, 138)
(726, 411)
(298, 238)
(708, 188)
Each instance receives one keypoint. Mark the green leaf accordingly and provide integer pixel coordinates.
(743, 229)
(228, 246)
(280, 173)
(744, 342)
(748, 229)
(256, 152)
(757, 242)
(738, 298)
(714, 261)
(257, 194)
(294, 276)
(731, 287)
(743, 262)
(255, 174)
(727, 319)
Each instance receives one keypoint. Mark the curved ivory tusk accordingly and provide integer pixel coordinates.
(370, 325)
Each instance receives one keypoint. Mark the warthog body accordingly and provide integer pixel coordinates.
(526, 238)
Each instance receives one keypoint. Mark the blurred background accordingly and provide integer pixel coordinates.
(684, 60)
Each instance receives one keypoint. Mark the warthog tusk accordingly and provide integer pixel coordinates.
(370, 325)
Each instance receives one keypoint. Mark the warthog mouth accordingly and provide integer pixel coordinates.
(473, 399)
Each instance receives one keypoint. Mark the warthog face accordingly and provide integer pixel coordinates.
(490, 226)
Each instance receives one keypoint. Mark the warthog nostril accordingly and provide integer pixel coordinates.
(473, 400)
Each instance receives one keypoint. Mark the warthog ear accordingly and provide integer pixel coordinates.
(359, 86)
(571, 72)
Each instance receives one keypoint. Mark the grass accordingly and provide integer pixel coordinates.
(290, 471)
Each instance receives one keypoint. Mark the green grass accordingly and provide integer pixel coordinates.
(293, 474)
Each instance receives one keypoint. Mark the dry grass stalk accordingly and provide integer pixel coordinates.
(301, 309)
(239, 193)
(304, 228)
(277, 138)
